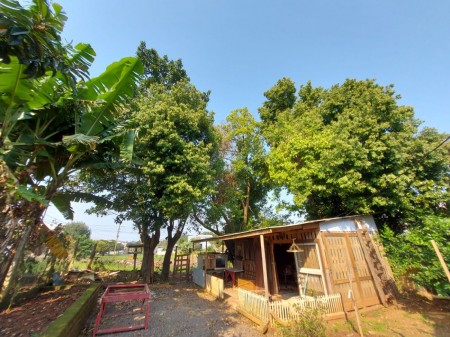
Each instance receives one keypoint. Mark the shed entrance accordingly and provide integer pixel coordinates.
(285, 266)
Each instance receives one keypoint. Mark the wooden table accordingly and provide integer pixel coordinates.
(232, 273)
(121, 293)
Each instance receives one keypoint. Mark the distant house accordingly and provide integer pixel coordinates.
(308, 259)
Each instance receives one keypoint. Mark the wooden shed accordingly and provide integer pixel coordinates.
(311, 259)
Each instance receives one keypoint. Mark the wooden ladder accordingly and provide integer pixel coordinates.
(380, 270)
(181, 266)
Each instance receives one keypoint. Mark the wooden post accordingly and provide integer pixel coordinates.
(205, 264)
(350, 271)
(264, 265)
(134, 261)
(274, 268)
(327, 270)
(441, 259)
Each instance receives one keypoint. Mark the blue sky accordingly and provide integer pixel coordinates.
(239, 49)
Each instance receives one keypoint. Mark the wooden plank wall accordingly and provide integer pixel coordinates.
(214, 285)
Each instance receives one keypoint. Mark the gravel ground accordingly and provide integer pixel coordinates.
(182, 311)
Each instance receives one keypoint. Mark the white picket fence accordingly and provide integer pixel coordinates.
(288, 310)
(253, 304)
(291, 309)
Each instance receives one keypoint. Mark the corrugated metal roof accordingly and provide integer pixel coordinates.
(274, 229)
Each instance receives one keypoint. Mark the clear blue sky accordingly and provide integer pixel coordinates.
(239, 49)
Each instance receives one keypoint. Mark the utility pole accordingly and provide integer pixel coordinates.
(117, 238)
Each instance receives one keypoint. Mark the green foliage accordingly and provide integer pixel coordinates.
(80, 232)
(242, 183)
(51, 122)
(183, 244)
(352, 149)
(77, 228)
(85, 245)
(32, 36)
(310, 324)
(280, 97)
(413, 257)
(159, 70)
(105, 246)
(176, 142)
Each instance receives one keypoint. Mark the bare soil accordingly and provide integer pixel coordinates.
(415, 315)
(32, 316)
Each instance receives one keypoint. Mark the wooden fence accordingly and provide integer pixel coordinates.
(287, 311)
(253, 304)
(290, 310)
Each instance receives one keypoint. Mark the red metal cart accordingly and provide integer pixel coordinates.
(121, 293)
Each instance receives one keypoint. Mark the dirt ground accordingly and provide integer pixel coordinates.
(184, 310)
(181, 311)
(415, 315)
(187, 311)
(32, 316)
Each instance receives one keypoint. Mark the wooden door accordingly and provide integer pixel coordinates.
(349, 270)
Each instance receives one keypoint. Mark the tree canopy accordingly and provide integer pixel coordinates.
(77, 228)
(352, 149)
(242, 185)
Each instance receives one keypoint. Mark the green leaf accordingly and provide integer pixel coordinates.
(126, 147)
(62, 203)
(29, 195)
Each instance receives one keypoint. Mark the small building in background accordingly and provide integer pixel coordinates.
(199, 244)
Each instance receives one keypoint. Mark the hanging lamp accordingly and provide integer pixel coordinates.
(295, 248)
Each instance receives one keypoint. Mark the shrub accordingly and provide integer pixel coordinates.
(411, 254)
(310, 324)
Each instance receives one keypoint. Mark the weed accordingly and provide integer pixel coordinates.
(310, 324)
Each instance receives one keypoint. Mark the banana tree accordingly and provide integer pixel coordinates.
(52, 125)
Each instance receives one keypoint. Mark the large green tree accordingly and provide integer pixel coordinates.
(242, 184)
(76, 228)
(176, 142)
(171, 169)
(81, 237)
(353, 149)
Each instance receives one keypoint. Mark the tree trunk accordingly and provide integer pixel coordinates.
(172, 239)
(8, 245)
(4, 266)
(246, 205)
(74, 255)
(91, 258)
(11, 279)
(148, 260)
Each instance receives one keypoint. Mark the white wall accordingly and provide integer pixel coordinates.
(348, 225)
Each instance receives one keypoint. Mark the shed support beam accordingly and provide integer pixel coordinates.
(264, 265)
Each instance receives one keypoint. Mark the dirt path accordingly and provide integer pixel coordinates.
(185, 311)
